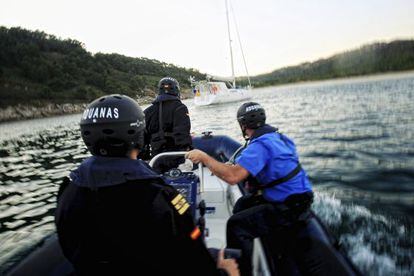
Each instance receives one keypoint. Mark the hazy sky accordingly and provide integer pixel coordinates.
(192, 33)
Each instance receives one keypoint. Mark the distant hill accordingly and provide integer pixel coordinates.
(37, 68)
(373, 58)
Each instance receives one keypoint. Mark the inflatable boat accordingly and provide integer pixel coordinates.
(306, 250)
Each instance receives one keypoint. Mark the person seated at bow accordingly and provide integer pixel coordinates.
(167, 125)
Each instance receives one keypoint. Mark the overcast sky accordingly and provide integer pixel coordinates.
(192, 33)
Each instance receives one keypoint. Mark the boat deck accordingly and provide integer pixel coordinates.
(219, 198)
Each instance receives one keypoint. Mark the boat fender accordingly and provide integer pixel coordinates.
(220, 147)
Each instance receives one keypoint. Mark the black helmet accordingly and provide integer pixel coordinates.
(170, 86)
(251, 115)
(112, 125)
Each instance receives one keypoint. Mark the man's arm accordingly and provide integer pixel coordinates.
(232, 174)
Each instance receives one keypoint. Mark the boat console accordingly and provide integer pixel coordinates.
(185, 181)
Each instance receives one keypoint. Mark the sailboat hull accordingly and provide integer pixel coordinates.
(217, 93)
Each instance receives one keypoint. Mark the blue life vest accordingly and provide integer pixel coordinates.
(271, 156)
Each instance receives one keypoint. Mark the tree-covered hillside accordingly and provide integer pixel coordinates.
(36, 67)
(374, 58)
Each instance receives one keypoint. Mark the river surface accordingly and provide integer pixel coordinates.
(355, 138)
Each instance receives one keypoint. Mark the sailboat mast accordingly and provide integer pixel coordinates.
(231, 50)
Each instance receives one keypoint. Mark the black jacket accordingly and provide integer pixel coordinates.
(116, 217)
(176, 125)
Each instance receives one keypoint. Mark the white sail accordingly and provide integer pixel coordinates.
(214, 90)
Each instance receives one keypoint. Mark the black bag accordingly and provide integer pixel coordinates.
(158, 142)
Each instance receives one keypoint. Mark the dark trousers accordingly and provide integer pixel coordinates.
(254, 217)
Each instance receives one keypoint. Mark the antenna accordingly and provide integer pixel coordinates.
(231, 51)
(240, 44)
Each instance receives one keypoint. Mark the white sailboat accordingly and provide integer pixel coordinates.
(216, 90)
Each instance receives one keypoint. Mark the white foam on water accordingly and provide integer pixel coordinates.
(366, 258)
(377, 244)
(328, 208)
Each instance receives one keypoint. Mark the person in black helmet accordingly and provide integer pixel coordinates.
(115, 215)
(167, 124)
(280, 191)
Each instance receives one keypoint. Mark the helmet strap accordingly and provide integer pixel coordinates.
(245, 136)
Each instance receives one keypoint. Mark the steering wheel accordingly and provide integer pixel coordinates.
(173, 173)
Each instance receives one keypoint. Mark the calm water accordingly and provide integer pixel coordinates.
(355, 138)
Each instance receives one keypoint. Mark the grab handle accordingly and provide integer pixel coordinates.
(180, 153)
(165, 154)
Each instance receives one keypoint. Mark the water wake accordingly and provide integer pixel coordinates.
(377, 244)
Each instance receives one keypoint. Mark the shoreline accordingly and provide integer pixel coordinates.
(374, 76)
(26, 112)
(22, 112)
